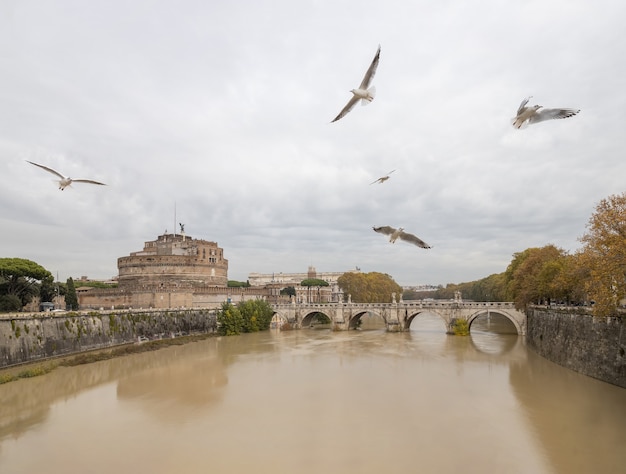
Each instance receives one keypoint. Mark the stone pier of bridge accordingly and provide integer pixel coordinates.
(398, 315)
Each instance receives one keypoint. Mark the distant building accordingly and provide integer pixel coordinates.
(422, 287)
(331, 293)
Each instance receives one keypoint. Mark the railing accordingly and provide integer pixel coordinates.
(411, 304)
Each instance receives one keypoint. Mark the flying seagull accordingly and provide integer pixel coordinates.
(382, 179)
(399, 233)
(64, 182)
(528, 115)
(364, 93)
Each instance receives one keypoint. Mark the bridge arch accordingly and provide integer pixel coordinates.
(485, 344)
(500, 312)
(309, 316)
(353, 323)
(278, 320)
(412, 316)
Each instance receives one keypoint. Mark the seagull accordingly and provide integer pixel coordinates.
(528, 115)
(399, 233)
(64, 182)
(382, 179)
(364, 93)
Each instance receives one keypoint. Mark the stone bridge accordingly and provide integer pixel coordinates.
(397, 316)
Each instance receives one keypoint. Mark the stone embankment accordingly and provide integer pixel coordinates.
(592, 346)
(39, 336)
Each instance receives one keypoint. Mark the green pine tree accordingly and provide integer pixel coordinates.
(71, 300)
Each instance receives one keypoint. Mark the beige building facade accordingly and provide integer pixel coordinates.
(325, 294)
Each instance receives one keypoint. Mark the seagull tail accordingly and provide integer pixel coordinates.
(517, 124)
(371, 93)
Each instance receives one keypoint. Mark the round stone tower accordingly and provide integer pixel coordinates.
(174, 259)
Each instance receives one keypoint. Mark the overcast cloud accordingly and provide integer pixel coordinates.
(222, 110)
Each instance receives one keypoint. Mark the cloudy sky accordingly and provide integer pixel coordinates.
(217, 114)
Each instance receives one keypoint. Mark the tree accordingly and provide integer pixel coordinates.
(256, 314)
(604, 254)
(229, 320)
(47, 289)
(247, 316)
(571, 281)
(19, 277)
(491, 288)
(71, 300)
(372, 287)
(416, 295)
(289, 291)
(10, 303)
(447, 292)
(531, 275)
(309, 282)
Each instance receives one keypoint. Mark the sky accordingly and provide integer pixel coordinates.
(218, 115)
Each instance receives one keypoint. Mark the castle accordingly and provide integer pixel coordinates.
(176, 270)
(173, 271)
(174, 259)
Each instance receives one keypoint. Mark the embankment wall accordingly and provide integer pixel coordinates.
(592, 346)
(40, 336)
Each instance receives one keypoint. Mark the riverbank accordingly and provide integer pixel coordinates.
(34, 369)
(42, 336)
(595, 347)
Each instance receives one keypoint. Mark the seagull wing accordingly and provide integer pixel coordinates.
(349, 106)
(87, 181)
(414, 240)
(49, 170)
(382, 179)
(522, 106)
(387, 230)
(548, 114)
(371, 71)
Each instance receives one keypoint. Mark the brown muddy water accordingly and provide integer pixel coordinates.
(316, 401)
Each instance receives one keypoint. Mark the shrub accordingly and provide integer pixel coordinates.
(460, 327)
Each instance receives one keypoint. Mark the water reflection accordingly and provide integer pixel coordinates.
(577, 420)
(167, 374)
(315, 401)
(178, 390)
(493, 334)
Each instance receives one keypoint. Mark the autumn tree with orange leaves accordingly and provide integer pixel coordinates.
(604, 254)
(372, 287)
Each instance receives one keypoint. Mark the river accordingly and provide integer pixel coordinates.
(316, 401)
